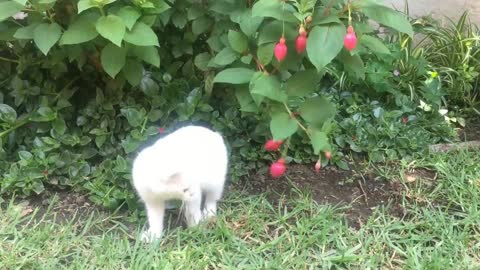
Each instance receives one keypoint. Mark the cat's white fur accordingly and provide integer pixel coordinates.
(185, 164)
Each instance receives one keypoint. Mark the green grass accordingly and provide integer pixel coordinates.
(440, 231)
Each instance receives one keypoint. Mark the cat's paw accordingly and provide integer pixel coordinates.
(208, 213)
(149, 236)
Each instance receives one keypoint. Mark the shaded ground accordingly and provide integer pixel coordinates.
(471, 132)
(361, 194)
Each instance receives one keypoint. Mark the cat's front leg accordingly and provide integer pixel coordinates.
(193, 203)
(155, 214)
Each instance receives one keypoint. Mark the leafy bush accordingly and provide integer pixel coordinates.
(86, 84)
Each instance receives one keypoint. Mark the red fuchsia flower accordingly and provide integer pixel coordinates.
(318, 166)
(161, 130)
(278, 168)
(280, 50)
(301, 42)
(405, 120)
(350, 40)
(272, 145)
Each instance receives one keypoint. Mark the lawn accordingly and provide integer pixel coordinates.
(431, 220)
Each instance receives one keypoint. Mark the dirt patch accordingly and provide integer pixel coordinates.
(363, 193)
(471, 132)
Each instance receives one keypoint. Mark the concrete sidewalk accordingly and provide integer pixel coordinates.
(440, 8)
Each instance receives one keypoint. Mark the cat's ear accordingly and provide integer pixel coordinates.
(174, 179)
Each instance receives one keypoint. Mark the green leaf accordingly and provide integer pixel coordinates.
(201, 25)
(130, 144)
(226, 57)
(201, 61)
(46, 35)
(133, 71)
(84, 5)
(388, 17)
(113, 59)
(47, 1)
(7, 33)
(265, 53)
(148, 54)
(234, 76)
(274, 9)
(129, 16)
(59, 125)
(8, 9)
(25, 155)
(134, 117)
(282, 126)
(319, 141)
(244, 98)
(100, 140)
(317, 110)
(82, 30)
(155, 115)
(303, 83)
(248, 23)
(374, 44)
(112, 28)
(26, 32)
(272, 32)
(21, 2)
(7, 114)
(141, 35)
(149, 87)
(44, 114)
(268, 86)
(238, 41)
(324, 43)
(353, 64)
(160, 6)
(319, 19)
(179, 20)
(195, 12)
(37, 187)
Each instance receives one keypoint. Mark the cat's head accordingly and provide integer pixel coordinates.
(174, 187)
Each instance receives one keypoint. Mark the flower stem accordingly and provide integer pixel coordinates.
(9, 60)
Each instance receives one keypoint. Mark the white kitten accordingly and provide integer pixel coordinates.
(184, 164)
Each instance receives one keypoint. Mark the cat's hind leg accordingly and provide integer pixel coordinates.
(212, 197)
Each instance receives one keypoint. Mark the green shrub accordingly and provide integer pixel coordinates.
(84, 85)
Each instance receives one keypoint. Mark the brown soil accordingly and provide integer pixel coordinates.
(360, 194)
(471, 132)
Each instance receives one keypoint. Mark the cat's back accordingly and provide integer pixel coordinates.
(193, 139)
(195, 150)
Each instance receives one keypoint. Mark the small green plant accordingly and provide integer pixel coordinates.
(455, 51)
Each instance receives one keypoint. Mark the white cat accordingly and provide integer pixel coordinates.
(185, 164)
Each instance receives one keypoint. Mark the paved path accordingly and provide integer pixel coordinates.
(440, 8)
